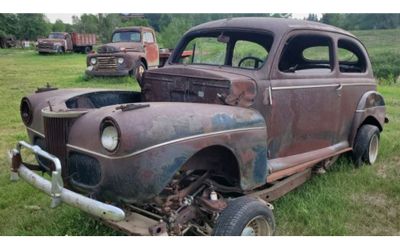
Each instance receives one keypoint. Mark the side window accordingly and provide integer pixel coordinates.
(148, 37)
(307, 54)
(351, 58)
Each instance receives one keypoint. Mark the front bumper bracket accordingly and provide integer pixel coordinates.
(55, 187)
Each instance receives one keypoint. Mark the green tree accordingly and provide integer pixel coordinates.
(32, 26)
(59, 26)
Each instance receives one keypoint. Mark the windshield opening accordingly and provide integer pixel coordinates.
(56, 36)
(248, 50)
(126, 36)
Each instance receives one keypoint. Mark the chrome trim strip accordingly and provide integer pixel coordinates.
(36, 132)
(322, 86)
(162, 144)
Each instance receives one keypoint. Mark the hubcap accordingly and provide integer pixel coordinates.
(258, 226)
(373, 149)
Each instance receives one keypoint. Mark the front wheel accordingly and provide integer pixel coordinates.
(138, 72)
(245, 216)
(366, 145)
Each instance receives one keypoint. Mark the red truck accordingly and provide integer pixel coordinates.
(61, 42)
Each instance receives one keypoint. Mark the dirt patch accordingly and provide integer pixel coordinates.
(378, 215)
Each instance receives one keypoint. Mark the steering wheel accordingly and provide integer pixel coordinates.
(257, 61)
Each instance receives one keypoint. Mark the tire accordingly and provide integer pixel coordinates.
(87, 50)
(245, 216)
(366, 145)
(60, 50)
(138, 71)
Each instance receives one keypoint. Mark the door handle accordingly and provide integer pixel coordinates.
(339, 89)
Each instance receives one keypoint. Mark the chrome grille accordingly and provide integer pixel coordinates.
(45, 46)
(56, 132)
(107, 62)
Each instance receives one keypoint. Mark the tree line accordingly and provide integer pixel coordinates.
(169, 27)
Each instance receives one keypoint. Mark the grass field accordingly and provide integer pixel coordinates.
(345, 201)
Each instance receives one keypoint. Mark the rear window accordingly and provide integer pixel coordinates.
(351, 57)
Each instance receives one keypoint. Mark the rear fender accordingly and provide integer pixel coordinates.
(370, 110)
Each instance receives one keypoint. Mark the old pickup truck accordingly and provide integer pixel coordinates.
(259, 106)
(61, 42)
(132, 51)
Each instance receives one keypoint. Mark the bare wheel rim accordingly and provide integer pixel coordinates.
(258, 226)
(373, 149)
(140, 70)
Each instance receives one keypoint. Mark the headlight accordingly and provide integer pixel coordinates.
(109, 135)
(26, 111)
(120, 60)
(93, 60)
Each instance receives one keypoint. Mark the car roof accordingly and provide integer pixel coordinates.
(275, 25)
(132, 28)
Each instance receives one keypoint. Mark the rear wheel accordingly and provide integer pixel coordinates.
(245, 216)
(87, 50)
(366, 145)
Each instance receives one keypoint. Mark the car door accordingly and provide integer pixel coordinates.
(151, 49)
(68, 40)
(305, 92)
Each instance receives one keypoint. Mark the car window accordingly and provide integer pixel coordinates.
(148, 37)
(307, 54)
(351, 58)
(126, 36)
(206, 50)
(247, 54)
(239, 49)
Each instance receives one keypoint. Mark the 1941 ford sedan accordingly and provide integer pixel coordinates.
(259, 106)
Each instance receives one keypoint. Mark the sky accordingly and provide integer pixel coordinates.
(67, 17)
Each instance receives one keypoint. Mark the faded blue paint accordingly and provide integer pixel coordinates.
(225, 121)
(260, 170)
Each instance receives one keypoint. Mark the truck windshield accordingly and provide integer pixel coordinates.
(56, 36)
(232, 49)
(126, 36)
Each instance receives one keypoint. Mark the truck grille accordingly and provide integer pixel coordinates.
(56, 132)
(45, 46)
(107, 62)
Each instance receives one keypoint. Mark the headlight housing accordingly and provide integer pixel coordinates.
(121, 60)
(26, 111)
(109, 135)
(93, 60)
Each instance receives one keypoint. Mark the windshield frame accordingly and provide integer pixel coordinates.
(188, 37)
(127, 31)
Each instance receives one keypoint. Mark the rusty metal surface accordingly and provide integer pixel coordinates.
(282, 187)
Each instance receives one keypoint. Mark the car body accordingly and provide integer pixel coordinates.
(61, 42)
(260, 101)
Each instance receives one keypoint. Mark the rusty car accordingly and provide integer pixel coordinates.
(61, 42)
(210, 140)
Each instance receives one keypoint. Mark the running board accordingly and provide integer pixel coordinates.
(283, 187)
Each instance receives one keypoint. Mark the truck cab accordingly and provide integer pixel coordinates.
(57, 42)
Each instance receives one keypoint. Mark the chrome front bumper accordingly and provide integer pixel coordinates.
(55, 187)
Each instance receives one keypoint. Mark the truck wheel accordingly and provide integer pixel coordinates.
(366, 145)
(245, 216)
(87, 50)
(60, 50)
(139, 70)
